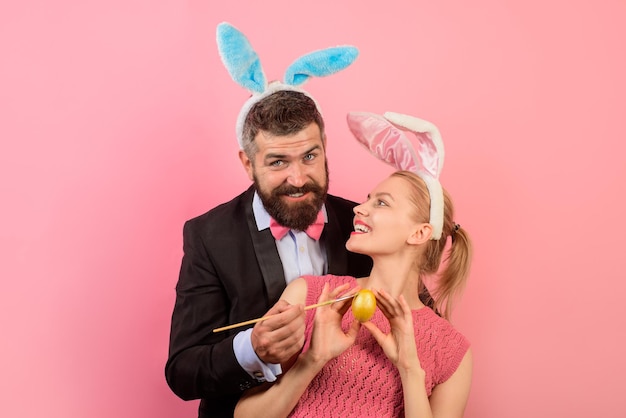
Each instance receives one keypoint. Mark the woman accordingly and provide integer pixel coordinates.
(407, 360)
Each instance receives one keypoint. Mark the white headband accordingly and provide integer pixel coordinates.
(244, 66)
(386, 138)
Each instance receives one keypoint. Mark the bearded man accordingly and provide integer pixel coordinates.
(239, 256)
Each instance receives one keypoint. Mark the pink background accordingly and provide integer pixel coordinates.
(117, 124)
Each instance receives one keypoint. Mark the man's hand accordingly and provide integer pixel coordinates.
(277, 339)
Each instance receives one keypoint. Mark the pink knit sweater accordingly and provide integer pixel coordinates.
(362, 382)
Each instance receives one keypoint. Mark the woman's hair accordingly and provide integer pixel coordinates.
(451, 279)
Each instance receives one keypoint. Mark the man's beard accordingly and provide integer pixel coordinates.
(294, 215)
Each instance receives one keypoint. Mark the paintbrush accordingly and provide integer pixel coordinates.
(263, 318)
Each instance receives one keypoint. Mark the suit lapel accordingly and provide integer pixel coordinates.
(266, 254)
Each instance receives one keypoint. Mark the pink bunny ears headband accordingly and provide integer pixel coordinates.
(244, 66)
(386, 137)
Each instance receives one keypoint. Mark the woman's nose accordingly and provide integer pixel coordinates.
(359, 209)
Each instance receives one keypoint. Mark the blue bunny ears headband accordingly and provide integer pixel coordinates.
(244, 66)
(387, 138)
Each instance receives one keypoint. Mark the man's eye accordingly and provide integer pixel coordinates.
(309, 157)
(277, 163)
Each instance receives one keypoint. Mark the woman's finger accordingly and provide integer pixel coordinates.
(375, 331)
(388, 304)
(323, 294)
(406, 309)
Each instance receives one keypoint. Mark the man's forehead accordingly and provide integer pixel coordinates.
(300, 143)
(299, 149)
(311, 130)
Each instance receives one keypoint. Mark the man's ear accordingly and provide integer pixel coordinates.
(421, 234)
(247, 164)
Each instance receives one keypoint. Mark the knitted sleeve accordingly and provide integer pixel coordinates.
(456, 348)
(440, 346)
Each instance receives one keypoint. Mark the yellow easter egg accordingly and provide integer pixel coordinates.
(364, 305)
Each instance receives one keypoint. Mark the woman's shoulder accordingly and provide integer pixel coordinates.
(315, 284)
(427, 320)
(439, 343)
(333, 280)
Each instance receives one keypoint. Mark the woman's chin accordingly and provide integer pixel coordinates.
(352, 247)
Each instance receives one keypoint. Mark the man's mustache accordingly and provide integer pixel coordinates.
(289, 189)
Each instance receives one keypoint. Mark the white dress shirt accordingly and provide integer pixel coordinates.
(300, 255)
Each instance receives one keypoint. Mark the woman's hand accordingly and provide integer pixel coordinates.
(399, 344)
(328, 339)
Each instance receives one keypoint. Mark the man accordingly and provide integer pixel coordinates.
(235, 269)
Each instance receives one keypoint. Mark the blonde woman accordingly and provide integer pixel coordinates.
(407, 360)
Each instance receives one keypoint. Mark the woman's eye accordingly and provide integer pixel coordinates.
(381, 203)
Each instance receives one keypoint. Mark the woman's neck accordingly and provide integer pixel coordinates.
(395, 276)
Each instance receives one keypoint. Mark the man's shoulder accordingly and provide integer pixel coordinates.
(225, 213)
(339, 202)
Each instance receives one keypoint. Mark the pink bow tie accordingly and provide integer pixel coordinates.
(314, 230)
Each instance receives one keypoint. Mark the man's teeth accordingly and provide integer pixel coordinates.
(296, 195)
(361, 228)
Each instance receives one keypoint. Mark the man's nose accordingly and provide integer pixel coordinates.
(297, 175)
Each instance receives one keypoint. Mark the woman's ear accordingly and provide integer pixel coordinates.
(421, 234)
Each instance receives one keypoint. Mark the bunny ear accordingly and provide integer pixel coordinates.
(240, 59)
(384, 140)
(429, 146)
(320, 63)
(244, 66)
(386, 137)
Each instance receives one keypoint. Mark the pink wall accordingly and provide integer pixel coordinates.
(117, 121)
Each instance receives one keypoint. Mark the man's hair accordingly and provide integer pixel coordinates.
(285, 112)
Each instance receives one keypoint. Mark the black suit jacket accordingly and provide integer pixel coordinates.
(231, 272)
